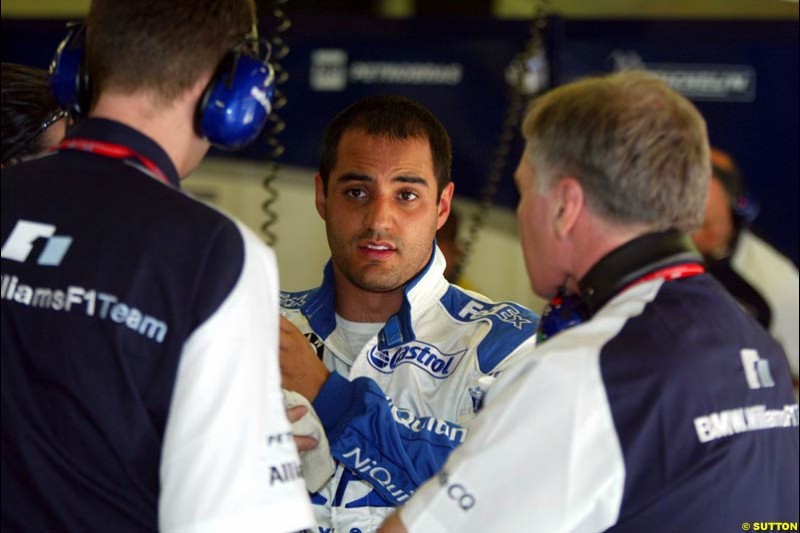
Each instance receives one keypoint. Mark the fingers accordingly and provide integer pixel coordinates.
(290, 337)
(296, 413)
(286, 326)
(305, 444)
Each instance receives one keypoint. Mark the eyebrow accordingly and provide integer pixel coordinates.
(363, 178)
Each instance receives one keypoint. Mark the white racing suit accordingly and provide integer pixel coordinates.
(394, 416)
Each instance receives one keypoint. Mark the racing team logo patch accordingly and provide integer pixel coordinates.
(420, 354)
(19, 244)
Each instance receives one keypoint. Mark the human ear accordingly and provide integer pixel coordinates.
(319, 195)
(444, 204)
(569, 202)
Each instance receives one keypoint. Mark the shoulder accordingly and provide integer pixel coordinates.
(510, 325)
(293, 301)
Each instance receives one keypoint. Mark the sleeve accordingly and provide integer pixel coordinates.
(390, 448)
(556, 468)
(228, 458)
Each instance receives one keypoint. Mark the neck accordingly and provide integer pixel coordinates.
(596, 238)
(359, 305)
(170, 125)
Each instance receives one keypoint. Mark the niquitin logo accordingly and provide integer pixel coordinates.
(20, 243)
(427, 357)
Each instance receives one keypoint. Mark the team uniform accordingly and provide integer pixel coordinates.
(669, 410)
(140, 378)
(767, 285)
(394, 410)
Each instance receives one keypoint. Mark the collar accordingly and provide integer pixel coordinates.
(419, 294)
(632, 261)
(111, 131)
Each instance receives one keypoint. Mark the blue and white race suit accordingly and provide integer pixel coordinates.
(395, 413)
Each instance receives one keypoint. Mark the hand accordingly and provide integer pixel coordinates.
(393, 524)
(301, 369)
(303, 444)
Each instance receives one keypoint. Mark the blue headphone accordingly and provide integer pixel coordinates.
(231, 112)
(664, 254)
(562, 312)
(68, 79)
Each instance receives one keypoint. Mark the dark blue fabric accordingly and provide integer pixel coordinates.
(680, 360)
(363, 433)
(85, 398)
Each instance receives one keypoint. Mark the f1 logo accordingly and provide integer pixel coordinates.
(756, 370)
(20, 243)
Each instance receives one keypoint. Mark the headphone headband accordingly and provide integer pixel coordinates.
(69, 80)
(231, 112)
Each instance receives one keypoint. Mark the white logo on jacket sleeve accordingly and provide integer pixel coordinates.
(379, 474)
(422, 355)
(292, 301)
(506, 312)
(743, 419)
(756, 370)
(20, 243)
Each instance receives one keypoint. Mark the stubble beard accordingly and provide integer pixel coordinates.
(373, 277)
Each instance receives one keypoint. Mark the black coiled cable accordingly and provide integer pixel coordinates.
(276, 124)
(519, 91)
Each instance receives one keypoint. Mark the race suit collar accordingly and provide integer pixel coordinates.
(422, 291)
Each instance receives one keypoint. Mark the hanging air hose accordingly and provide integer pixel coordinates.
(526, 76)
(276, 124)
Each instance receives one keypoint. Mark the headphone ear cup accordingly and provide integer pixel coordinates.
(69, 80)
(237, 102)
(745, 209)
(563, 312)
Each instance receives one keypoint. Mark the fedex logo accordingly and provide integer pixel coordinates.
(506, 312)
(19, 244)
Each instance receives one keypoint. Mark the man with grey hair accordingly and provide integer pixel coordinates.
(663, 407)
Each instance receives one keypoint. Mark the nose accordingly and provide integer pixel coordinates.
(379, 213)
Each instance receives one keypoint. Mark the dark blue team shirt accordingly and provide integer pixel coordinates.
(94, 318)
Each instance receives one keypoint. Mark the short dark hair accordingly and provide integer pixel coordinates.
(394, 117)
(27, 105)
(158, 45)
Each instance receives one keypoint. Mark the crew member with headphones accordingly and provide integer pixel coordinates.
(140, 378)
(664, 407)
(764, 282)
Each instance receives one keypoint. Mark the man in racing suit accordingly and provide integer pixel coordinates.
(400, 357)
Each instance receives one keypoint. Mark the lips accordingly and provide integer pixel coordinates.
(377, 250)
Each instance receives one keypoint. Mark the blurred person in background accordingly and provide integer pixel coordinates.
(394, 359)
(764, 282)
(453, 249)
(32, 122)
